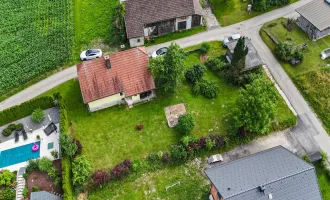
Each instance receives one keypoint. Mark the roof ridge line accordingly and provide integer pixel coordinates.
(267, 183)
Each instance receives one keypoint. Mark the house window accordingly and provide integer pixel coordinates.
(138, 40)
(182, 25)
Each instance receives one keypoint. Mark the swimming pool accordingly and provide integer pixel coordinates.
(18, 154)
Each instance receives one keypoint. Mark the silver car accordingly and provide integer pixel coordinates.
(91, 54)
(215, 158)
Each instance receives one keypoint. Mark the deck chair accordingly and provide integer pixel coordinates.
(24, 135)
(16, 136)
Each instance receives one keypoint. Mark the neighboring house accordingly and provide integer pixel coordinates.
(43, 195)
(315, 18)
(252, 60)
(120, 78)
(275, 173)
(148, 18)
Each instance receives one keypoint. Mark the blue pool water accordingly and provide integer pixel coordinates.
(18, 155)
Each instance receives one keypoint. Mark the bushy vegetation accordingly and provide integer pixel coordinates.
(195, 73)
(12, 127)
(7, 193)
(37, 115)
(283, 51)
(80, 170)
(6, 178)
(35, 37)
(215, 64)
(205, 47)
(44, 164)
(209, 89)
(68, 146)
(185, 124)
(25, 109)
(67, 178)
(264, 5)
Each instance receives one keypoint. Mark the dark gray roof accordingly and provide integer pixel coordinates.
(317, 12)
(252, 59)
(141, 12)
(280, 172)
(43, 195)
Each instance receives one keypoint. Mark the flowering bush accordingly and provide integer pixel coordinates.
(122, 169)
(139, 127)
(101, 177)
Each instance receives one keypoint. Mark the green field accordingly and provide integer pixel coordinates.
(312, 77)
(230, 12)
(35, 37)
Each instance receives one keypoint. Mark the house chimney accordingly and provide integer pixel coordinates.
(107, 60)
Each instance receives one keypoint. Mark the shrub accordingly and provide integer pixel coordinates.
(54, 154)
(299, 55)
(209, 89)
(6, 177)
(37, 115)
(25, 176)
(305, 158)
(205, 47)
(80, 170)
(25, 192)
(44, 164)
(67, 178)
(6, 132)
(52, 173)
(33, 165)
(139, 127)
(35, 189)
(68, 147)
(100, 177)
(38, 137)
(219, 140)
(178, 153)
(195, 73)
(25, 109)
(19, 127)
(210, 143)
(185, 124)
(152, 157)
(7, 193)
(79, 146)
(122, 169)
(215, 64)
(166, 157)
(12, 127)
(283, 51)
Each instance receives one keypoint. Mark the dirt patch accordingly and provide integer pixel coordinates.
(43, 181)
(203, 57)
(173, 113)
(83, 196)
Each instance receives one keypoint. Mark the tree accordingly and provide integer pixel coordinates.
(186, 124)
(119, 31)
(68, 147)
(80, 169)
(168, 71)
(238, 61)
(259, 5)
(283, 51)
(256, 106)
(195, 73)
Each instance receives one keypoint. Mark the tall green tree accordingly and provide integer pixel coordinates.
(118, 29)
(256, 106)
(260, 5)
(238, 61)
(168, 71)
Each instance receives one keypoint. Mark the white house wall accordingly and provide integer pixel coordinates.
(188, 20)
(135, 42)
(106, 102)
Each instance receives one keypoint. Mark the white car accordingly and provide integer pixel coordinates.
(159, 52)
(215, 158)
(230, 39)
(325, 54)
(91, 54)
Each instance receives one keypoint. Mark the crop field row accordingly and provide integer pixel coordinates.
(35, 36)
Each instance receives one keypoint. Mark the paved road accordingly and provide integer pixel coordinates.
(309, 130)
(40, 87)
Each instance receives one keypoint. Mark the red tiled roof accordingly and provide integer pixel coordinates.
(129, 74)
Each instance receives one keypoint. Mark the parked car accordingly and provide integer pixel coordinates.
(325, 54)
(91, 54)
(215, 158)
(159, 52)
(230, 39)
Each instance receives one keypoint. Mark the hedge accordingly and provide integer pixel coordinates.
(66, 178)
(25, 109)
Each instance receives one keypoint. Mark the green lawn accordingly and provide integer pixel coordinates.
(311, 77)
(177, 35)
(233, 11)
(152, 185)
(113, 129)
(324, 181)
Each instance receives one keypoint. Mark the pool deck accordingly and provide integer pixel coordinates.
(32, 137)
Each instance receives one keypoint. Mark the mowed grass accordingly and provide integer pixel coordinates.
(312, 77)
(324, 181)
(152, 185)
(230, 12)
(109, 136)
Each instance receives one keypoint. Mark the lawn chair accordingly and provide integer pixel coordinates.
(16, 136)
(24, 135)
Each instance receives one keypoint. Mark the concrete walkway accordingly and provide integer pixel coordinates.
(40, 87)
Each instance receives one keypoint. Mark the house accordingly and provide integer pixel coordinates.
(275, 173)
(315, 19)
(43, 195)
(252, 60)
(119, 78)
(149, 18)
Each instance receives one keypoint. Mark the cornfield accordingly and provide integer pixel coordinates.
(35, 36)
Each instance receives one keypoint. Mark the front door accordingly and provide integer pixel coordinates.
(182, 25)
